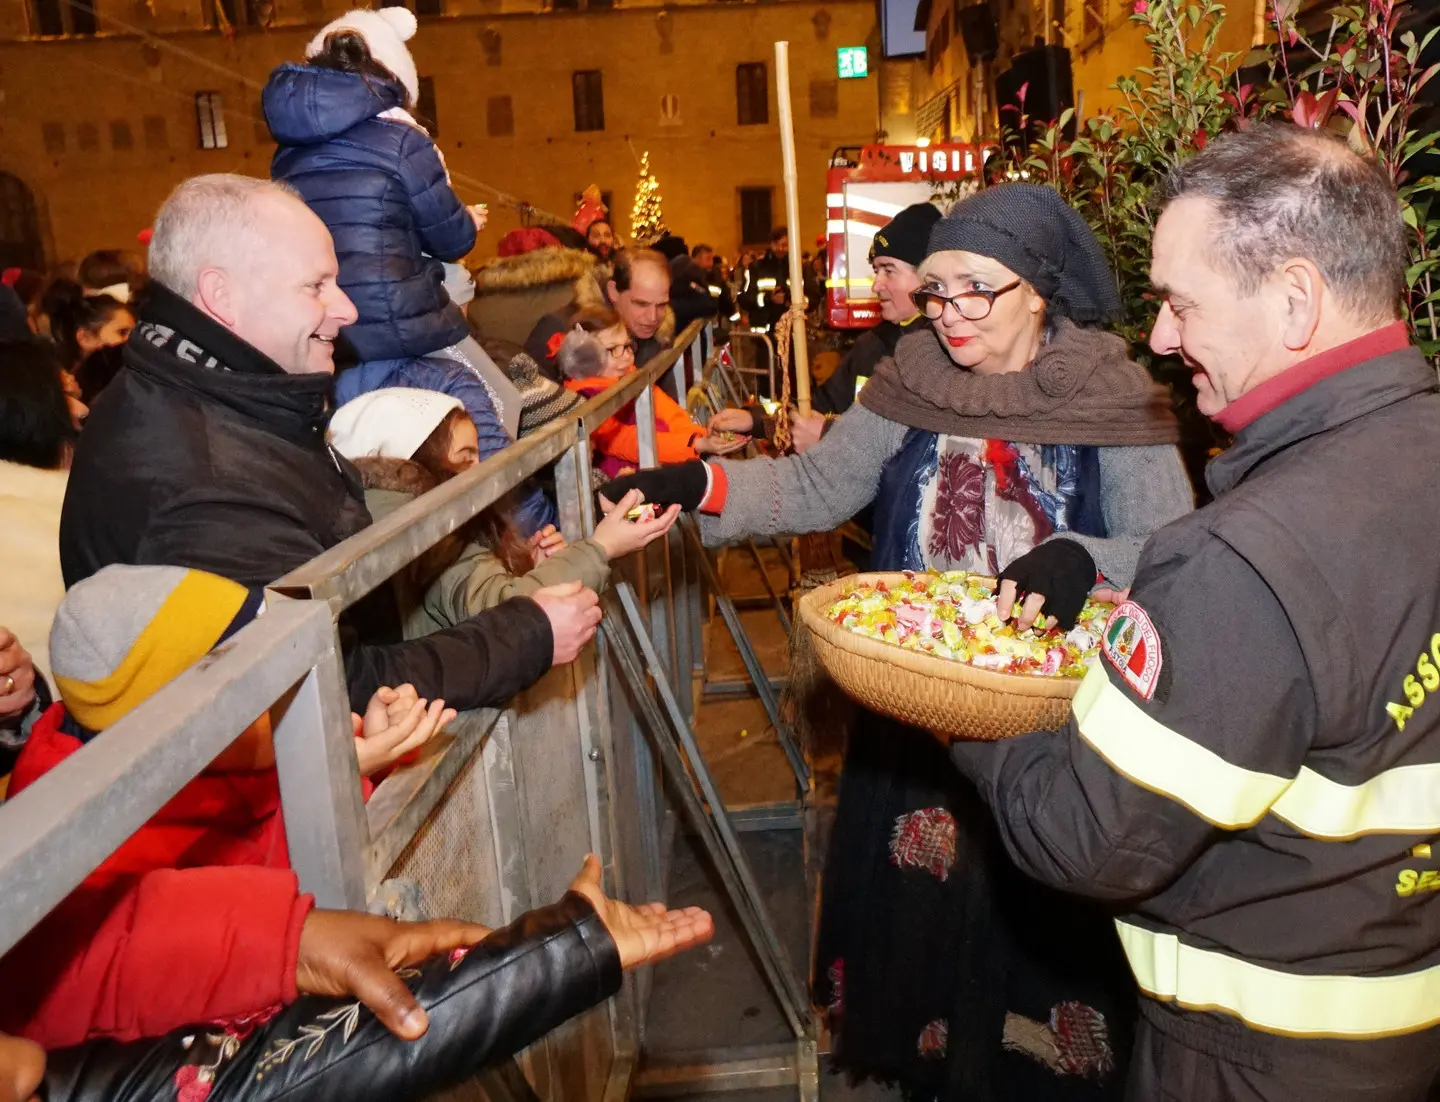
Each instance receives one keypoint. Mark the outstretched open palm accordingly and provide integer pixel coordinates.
(646, 933)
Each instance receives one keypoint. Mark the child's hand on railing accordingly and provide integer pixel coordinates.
(620, 535)
(396, 723)
(546, 542)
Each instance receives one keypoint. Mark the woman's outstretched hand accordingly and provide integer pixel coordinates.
(733, 420)
(683, 484)
(1053, 578)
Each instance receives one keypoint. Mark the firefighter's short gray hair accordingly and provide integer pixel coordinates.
(1279, 191)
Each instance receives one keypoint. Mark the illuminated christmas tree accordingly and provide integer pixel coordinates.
(647, 223)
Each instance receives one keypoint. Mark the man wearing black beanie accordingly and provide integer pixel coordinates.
(899, 247)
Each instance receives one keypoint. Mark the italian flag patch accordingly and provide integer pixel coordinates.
(1132, 646)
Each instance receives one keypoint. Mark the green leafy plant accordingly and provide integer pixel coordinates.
(1364, 73)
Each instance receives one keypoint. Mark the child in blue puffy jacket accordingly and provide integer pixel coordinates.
(349, 145)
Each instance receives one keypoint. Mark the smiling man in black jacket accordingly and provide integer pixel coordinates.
(208, 451)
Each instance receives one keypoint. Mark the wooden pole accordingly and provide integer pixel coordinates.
(800, 361)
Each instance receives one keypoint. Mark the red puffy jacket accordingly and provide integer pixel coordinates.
(159, 936)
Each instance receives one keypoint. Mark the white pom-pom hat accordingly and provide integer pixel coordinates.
(385, 31)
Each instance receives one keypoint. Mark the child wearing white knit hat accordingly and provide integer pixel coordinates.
(405, 442)
(385, 33)
(350, 145)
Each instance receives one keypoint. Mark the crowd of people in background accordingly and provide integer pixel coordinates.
(293, 359)
(126, 562)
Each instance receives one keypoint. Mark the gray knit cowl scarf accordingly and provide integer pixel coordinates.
(1081, 388)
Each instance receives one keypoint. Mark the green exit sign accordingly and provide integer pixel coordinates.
(852, 62)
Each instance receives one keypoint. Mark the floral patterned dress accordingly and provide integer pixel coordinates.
(928, 938)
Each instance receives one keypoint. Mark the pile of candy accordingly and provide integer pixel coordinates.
(953, 616)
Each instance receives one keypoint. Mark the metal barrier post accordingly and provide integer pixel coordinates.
(325, 826)
(764, 338)
(576, 503)
(688, 772)
(758, 677)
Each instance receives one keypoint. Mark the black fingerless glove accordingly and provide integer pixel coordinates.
(682, 484)
(1062, 570)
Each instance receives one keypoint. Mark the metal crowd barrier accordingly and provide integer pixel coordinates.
(767, 342)
(499, 811)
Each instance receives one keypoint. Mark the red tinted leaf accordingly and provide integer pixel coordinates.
(1304, 110)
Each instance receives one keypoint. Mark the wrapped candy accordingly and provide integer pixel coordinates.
(953, 615)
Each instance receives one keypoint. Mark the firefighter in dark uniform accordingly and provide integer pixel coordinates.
(1251, 772)
(898, 248)
(765, 291)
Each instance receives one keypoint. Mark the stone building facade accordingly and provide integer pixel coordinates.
(109, 103)
(1102, 40)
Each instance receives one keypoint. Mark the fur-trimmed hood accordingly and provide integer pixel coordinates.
(390, 484)
(540, 268)
(544, 269)
(401, 476)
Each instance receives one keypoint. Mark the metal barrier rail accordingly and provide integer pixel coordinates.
(54, 833)
(768, 343)
(68, 822)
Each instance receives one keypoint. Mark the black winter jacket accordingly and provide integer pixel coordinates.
(838, 393)
(203, 453)
(1252, 770)
(508, 991)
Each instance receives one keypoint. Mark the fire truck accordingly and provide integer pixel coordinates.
(867, 187)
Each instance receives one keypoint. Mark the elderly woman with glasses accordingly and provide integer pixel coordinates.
(1009, 436)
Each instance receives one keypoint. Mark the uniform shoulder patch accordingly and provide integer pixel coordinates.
(1132, 645)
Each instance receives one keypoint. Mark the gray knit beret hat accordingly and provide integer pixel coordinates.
(1041, 238)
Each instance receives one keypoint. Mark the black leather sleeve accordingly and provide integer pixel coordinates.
(514, 987)
(479, 663)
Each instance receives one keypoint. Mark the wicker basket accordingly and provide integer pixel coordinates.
(948, 697)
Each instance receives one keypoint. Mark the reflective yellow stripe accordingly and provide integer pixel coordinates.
(1164, 761)
(1403, 800)
(1280, 1002)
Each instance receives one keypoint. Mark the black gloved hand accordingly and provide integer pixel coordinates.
(1062, 571)
(682, 484)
